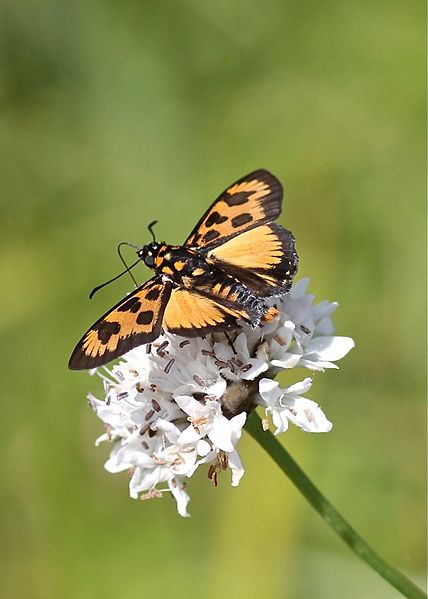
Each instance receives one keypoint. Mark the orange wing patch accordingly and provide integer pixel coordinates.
(258, 248)
(133, 321)
(248, 203)
(192, 315)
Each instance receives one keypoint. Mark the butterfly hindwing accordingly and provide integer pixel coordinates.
(192, 314)
(135, 320)
(263, 259)
(248, 203)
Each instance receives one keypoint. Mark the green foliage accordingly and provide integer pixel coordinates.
(117, 113)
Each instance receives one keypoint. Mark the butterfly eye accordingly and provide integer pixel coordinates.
(147, 255)
(149, 259)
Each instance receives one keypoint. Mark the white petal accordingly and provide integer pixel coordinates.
(236, 467)
(268, 387)
(241, 344)
(288, 360)
(257, 367)
(169, 429)
(143, 480)
(307, 415)
(101, 438)
(316, 365)
(203, 448)
(181, 497)
(299, 288)
(223, 351)
(191, 406)
(329, 348)
(220, 434)
(323, 309)
(190, 435)
(299, 310)
(217, 388)
(117, 461)
(284, 334)
(113, 466)
(325, 326)
(300, 387)
(134, 484)
(236, 426)
(280, 420)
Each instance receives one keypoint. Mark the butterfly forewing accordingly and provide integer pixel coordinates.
(251, 201)
(135, 320)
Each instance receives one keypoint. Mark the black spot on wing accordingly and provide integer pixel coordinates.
(241, 219)
(154, 293)
(211, 235)
(237, 198)
(131, 305)
(106, 330)
(145, 317)
(215, 218)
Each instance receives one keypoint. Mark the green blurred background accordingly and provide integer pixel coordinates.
(114, 114)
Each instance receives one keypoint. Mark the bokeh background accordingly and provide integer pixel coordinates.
(114, 114)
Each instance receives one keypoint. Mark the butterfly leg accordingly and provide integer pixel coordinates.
(230, 343)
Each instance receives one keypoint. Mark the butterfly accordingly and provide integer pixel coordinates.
(222, 276)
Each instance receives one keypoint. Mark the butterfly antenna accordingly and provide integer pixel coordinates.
(93, 292)
(127, 269)
(135, 247)
(150, 228)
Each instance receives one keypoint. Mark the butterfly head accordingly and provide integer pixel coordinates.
(149, 252)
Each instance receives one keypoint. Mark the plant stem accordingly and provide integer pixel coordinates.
(287, 464)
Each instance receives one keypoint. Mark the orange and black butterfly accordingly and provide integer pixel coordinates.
(234, 259)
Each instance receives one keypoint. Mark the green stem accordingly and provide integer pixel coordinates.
(287, 464)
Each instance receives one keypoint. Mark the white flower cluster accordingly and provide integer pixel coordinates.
(179, 403)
